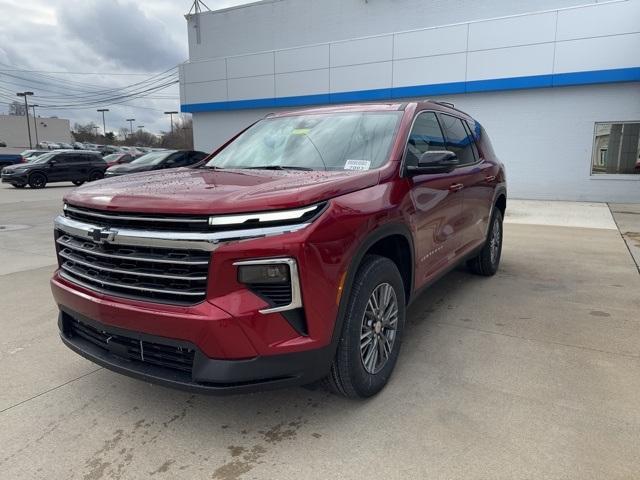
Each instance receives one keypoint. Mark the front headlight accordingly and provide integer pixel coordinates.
(268, 219)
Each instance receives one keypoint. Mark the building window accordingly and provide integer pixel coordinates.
(616, 148)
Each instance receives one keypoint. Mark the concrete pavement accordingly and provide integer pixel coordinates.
(533, 373)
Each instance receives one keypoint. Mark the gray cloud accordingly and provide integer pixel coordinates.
(120, 32)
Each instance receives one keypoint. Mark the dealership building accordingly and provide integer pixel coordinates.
(556, 83)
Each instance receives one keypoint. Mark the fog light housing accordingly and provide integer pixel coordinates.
(276, 273)
(274, 279)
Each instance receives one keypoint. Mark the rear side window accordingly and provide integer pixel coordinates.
(425, 135)
(458, 139)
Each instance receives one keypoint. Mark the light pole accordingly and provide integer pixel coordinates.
(96, 128)
(131, 120)
(171, 114)
(140, 127)
(104, 127)
(35, 123)
(26, 111)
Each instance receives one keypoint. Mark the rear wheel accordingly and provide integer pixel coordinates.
(372, 331)
(37, 180)
(488, 260)
(95, 175)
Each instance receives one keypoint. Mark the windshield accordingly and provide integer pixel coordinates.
(113, 157)
(335, 141)
(152, 158)
(43, 158)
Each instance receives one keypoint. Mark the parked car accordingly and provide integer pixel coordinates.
(77, 166)
(158, 161)
(29, 155)
(80, 146)
(2, 144)
(118, 159)
(7, 159)
(288, 257)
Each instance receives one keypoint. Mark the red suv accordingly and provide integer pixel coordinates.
(288, 256)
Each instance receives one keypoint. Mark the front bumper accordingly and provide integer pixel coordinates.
(14, 177)
(206, 375)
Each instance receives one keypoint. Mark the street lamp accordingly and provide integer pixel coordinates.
(171, 114)
(104, 128)
(96, 128)
(35, 123)
(26, 111)
(140, 127)
(131, 120)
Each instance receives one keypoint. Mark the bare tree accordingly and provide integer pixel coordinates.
(182, 136)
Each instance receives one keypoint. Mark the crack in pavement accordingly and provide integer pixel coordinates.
(49, 390)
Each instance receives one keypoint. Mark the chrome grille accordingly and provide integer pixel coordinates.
(101, 218)
(146, 273)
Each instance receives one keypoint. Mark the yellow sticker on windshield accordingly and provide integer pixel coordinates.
(300, 131)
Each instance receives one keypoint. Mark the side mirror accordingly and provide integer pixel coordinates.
(52, 162)
(434, 161)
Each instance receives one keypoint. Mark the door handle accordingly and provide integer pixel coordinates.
(490, 178)
(456, 187)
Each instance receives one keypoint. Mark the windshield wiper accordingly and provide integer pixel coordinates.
(280, 167)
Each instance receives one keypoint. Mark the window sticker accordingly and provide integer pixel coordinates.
(300, 131)
(357, 164)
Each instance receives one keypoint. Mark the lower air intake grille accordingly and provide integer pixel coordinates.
(276, 295)
(168, 356)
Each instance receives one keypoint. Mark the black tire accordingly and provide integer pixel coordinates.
(486, 263)
(95, 175)
(18, 185)
(348, 375)
(77, 183)
(37, 180)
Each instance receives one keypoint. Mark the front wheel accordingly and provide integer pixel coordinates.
(371, 332)
(77, 183)
(488, 260)
(37, 180)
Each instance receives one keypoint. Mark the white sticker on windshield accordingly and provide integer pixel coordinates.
(357, 164)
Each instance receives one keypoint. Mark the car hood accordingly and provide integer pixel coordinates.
(208, 191)
(22, 166)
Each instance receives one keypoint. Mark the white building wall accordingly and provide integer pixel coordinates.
(13, 130)
(588, 44)
(278, 24)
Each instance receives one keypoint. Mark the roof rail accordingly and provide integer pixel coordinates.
(446, 104)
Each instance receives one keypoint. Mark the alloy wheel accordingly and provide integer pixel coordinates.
(494, 243)
(379, 327)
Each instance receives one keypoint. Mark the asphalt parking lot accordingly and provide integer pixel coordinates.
(533, 373)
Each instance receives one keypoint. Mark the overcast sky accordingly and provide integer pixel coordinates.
(114, 36)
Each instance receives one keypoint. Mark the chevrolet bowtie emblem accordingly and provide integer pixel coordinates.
(102, 235)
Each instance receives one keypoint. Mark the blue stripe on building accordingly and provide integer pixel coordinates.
(498, 84)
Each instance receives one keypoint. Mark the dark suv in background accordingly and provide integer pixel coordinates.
(75, 166)
(158, 161)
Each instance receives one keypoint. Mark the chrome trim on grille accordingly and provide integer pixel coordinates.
(141, 217)
(68, 243)
(296, 293)
(172, 240)
(73, 259)
(64, 266)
